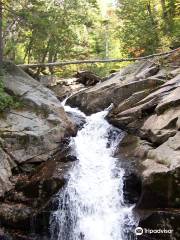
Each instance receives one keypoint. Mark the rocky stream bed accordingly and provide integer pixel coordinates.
(36, 158)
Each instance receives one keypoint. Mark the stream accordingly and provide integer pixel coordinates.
(91, 206)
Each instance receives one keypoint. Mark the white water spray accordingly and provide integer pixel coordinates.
(91, 205)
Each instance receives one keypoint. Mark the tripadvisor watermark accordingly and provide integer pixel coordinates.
(140, 231)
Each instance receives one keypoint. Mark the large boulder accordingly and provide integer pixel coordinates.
(32, 132)
(159, 221)
(5, 172)
(129, 116)
(33, 94)
(117, 88)
(33, 197)
(34, 156)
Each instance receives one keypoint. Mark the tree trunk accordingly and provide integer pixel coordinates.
(43, 60)
(171, 13)
(1, 41)
(150, 13)
(165, 16)
(28, 50)
(172, 8)
(56, 64)
(164, 12)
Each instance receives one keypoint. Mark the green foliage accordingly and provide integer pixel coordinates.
(55, 30)
(147, 26)
(138, 31)
(101, 69)
(5, 100)
(47, 31)
(105, 69)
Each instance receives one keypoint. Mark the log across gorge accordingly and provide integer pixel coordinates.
(76, 62)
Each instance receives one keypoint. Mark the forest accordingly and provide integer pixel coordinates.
(43, 31)
(54, 30)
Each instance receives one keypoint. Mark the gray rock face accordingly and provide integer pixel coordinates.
(5, 172)
(32, 199)
(163, 96)
(101, 96)
(66, 87)
(116, 89)
(32, 137)
(33, 161)
(161, 219)
(31, 92)
(32, 132)
(154, 118)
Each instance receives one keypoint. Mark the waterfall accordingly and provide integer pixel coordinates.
(91, 205)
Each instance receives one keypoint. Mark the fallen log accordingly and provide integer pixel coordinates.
(56, 64)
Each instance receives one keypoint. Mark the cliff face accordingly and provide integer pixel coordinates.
(154, 121)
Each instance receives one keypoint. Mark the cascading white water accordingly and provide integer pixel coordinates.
(91, 205)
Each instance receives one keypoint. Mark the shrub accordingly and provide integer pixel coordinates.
(5, 100)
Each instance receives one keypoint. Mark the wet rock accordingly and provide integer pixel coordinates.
(160, 187)
(78, 120)
(31, 200)
(160, 220)
(5, 172)
(132, 188)
(15, 214)
(158, 167)
(151, 118)
(133, 146)
(46, 181)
